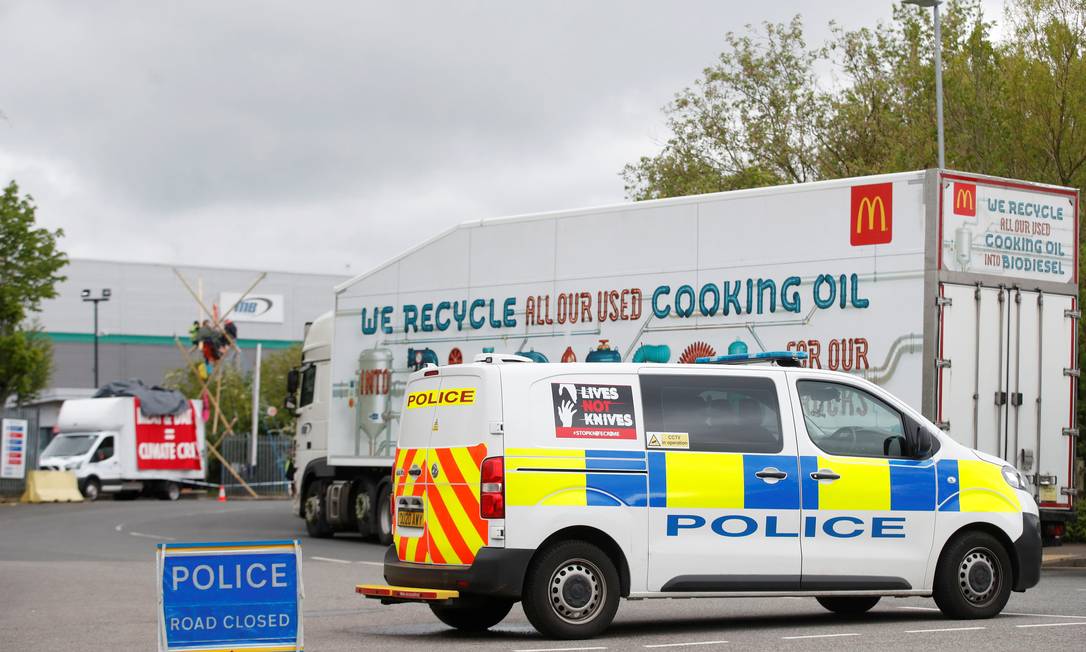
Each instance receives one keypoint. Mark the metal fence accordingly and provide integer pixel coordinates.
(268, 477)
(14, 486)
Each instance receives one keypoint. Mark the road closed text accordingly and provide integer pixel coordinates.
(229, 621)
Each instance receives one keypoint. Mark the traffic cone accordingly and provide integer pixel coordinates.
(222, 494)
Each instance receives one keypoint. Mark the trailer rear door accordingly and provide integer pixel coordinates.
(1006, 380)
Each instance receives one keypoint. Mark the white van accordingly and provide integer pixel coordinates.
(113, 447)
(569, 486)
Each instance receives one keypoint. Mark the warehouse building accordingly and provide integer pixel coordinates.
(143, 307)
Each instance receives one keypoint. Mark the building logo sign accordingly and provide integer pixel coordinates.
(255, 308)
(965, 199)
(872, 214)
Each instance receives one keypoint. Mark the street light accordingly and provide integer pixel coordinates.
(934, 4)
(103, 295)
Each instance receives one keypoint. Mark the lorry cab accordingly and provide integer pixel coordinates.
(87, 455)
(568, 487)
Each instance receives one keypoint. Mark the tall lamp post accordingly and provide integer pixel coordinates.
(934, 4)
(103, 295)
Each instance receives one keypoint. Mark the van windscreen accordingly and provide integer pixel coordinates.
(70, 445)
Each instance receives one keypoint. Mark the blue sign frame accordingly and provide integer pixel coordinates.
(235, 595)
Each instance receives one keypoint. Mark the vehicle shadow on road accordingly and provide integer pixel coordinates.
(671, 626)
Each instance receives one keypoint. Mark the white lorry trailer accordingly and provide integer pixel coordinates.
(956, 292)
(113, 447)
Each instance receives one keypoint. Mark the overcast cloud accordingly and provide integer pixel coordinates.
(313, 136)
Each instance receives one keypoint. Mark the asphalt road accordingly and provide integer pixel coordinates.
(82, 577)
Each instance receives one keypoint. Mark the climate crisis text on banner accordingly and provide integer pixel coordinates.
(230, 596)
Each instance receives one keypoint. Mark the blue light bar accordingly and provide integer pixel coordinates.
(782, 358)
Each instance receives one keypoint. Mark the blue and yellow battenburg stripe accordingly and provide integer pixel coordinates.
(687, 479)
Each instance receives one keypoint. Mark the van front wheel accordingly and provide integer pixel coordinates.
(973, 578)
(571, 591)
(472, 616)
(91, 489)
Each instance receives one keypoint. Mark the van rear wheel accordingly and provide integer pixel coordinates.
(973, 578)
(473, 616)
(849, 605)
(169, 491)
(571, 591)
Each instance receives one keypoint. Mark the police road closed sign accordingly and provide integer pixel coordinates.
(230, 596)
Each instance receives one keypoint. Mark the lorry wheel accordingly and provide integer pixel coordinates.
(92, 489)
(169, 491)
(848, 605)
(363, 506)
(383, 512)
(316, 516)
(973, 578)
(571, 591)
(473, 616)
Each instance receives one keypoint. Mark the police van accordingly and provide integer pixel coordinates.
(570, 486)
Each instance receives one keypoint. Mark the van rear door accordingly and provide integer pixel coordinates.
(453, 414)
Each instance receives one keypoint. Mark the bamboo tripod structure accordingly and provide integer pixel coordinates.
(216, 374)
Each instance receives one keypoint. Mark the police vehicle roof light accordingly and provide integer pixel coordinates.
(782, 358)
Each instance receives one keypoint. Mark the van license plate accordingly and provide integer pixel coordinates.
(406, 518)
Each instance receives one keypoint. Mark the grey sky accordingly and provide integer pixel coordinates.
(312, 136)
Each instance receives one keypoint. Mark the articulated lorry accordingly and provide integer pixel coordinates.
(957, 292)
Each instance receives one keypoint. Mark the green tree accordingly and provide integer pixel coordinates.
(29, 272)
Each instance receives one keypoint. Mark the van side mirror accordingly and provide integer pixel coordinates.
(923, 444)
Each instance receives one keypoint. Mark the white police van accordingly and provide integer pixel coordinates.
(570, 486)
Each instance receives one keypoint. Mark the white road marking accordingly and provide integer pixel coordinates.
(560, 649)
(152, 536)
(658, 645)
(120, 526)
(1004, 613)
(920, 608)
(1052, 625)
(334, 561)
(945, 629)
(1012, 613)
(794, 638)
(371, 563)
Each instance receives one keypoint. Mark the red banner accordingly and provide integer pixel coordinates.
(167, 442)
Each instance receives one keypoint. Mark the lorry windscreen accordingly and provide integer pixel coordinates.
(69, 445)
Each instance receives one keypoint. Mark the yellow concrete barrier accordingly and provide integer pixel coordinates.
(51, 487)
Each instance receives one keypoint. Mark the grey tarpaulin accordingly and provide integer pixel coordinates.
(155, 401)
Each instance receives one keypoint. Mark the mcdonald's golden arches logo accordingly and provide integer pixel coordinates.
(872, 214)
(965, 199)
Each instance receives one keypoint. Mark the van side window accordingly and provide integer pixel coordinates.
(309, 385)
(105, 450)
(844, 420)
(723, 414)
